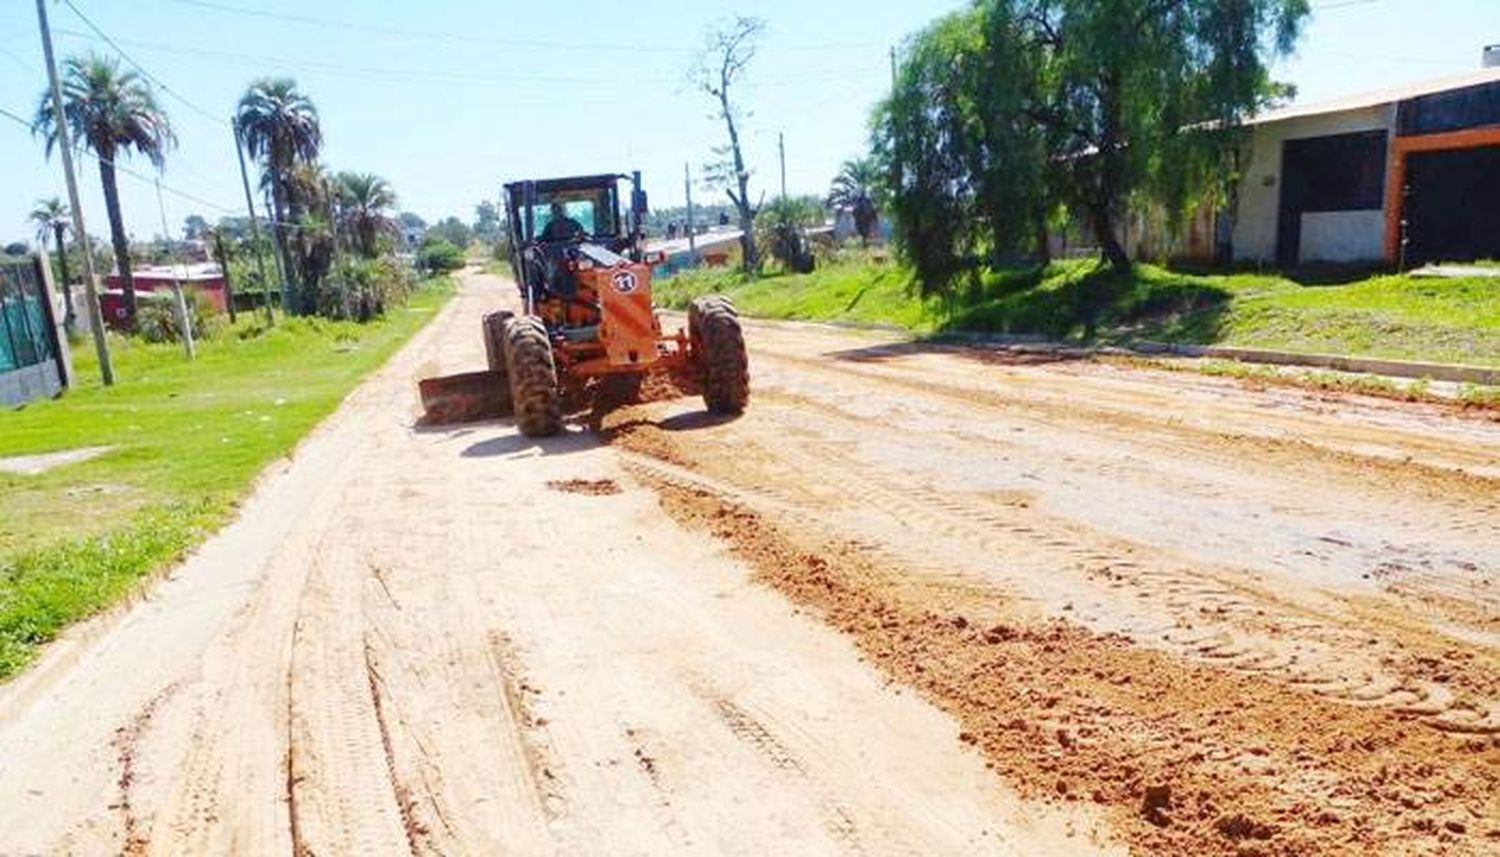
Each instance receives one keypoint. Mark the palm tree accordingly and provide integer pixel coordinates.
(111, 112)
(52, 220)
(278, 126)
(856, 187)
(364, 200)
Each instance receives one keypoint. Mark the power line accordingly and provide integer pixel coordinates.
(433, 78)
(140, 68)
(432, 35)
(152, 180)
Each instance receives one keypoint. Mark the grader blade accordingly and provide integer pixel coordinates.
(465, 398)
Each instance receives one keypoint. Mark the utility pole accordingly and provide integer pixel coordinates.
(692, 228)
(781, 147)
(179, 303)
(260, 259)
(893, 68)
(90, 285)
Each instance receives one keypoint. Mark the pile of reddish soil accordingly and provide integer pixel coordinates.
(1187, 758)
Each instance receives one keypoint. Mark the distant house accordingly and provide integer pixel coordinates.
(203, 277)
(1401, 176)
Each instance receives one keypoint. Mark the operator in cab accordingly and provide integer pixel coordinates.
(561, 227)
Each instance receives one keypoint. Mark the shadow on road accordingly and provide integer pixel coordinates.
(990, 353)
(695, 420)
(513, 443)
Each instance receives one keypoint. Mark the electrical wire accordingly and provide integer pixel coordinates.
(341, 24)
(142, 69)
(153, 180)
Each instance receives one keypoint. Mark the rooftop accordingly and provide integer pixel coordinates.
(1377, 97)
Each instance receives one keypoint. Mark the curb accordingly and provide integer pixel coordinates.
(1455, 373)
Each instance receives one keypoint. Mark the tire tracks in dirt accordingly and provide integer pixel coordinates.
(1255, 751)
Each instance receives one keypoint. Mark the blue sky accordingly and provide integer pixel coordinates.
(449, 98)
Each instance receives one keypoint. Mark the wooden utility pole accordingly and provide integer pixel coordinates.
(65, 145)
(692, 228)
(260, 259)
(179, 303)
(781, 147)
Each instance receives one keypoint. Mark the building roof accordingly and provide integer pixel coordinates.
(1377, 97)
(186, 273)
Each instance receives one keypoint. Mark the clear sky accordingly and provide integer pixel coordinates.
(449, 98)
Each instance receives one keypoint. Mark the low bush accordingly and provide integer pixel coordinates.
(438, 256)
(156, 315)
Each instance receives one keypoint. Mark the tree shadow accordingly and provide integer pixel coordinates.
(1094, 304)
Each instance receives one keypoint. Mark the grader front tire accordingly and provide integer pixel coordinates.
(714, 326)
(533, 377)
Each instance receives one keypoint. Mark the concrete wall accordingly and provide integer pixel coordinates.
(1260, 190)
(30, 382)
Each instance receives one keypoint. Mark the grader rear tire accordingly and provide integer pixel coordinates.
(533, 377)
(714, 327)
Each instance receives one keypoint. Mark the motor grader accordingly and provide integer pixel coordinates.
(587, 321)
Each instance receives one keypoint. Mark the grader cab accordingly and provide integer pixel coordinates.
(587, 317)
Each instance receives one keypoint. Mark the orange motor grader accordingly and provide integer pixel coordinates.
(587, 318)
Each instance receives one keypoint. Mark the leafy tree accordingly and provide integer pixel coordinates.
(487, 223)
(409, 220)
(311, 192)
(856, 188)
(720, 68)
(781, 228)
(279, 127)
(923, 134)
(53, 220)
(452, 230)
(112, 112)
(365, 201)
(1141, 96)
(195, 228)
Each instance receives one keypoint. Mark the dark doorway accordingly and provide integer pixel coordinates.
(1452, 207)
(1340, 172)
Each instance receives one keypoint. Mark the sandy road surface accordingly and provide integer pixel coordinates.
(457, 641)
(1239, 621)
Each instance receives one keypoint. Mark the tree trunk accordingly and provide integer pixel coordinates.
(742, 180)
(1043, 239)
(280, 232)
(1109, 244)
(1107, 196)
(117, 236)
(70, 315)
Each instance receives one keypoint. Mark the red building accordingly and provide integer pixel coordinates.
(204, 278)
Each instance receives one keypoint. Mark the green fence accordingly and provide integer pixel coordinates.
(25, 339)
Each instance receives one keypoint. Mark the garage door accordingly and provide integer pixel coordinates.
(1453, 205)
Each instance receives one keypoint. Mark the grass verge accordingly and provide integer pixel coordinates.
(1394, 317)
(187, 441)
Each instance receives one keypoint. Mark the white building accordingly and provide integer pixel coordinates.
(1400, 176)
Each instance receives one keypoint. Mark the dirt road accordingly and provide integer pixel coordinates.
(918, 600)
(458, 641)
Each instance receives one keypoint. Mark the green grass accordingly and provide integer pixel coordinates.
(188, 440)
(861, 294)
(1398, 317)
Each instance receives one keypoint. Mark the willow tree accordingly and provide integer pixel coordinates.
(1143, 96)
(924, 134)
(1007, 110)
